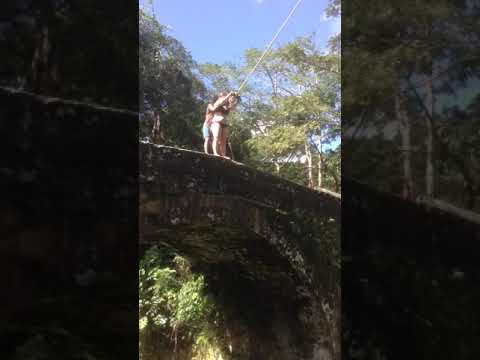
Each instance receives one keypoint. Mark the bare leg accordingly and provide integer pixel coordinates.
(215, 145)
(216, 138)
(224, 137)
(205, 145)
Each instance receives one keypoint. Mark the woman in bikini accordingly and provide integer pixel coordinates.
(219, 126)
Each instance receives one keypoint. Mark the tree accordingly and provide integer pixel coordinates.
(169, 89)
(176, 316)
(39, 56)
(302, 89)
(397, 67)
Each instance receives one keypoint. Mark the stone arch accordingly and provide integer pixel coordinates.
(249, 265)
(262, 242)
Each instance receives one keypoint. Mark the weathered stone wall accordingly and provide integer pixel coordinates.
(275, 241)
(68, 227)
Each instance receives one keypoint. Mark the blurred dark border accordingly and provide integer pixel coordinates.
(69, 179)
(410, 179)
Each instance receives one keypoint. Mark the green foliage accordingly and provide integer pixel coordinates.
(300, 87)
(168, 86)
(71, 49)
(332, 174)
(192, 307)
(278, 143)
(334, 8)
(219, 77)
(389, 77)
(173, 300)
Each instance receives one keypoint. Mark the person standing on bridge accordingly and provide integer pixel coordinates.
(221, 108)
(206, 129)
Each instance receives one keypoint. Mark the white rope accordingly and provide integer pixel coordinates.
(270, 45)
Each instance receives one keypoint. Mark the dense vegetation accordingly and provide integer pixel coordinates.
(176, 314)
(410, 127)
(71, 49)
(409, 80)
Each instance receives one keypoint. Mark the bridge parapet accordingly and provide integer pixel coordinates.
(192, 170)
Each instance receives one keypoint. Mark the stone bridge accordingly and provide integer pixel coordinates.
(269, 248)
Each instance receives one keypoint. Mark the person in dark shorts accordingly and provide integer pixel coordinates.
(206, 131)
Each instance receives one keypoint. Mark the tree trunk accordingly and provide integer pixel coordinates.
(277, 168)
(406, 148)
(320, 164)
(308, 154)
(40, 59)
(429, 168)
(320, 171)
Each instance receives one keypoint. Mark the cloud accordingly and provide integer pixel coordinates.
(324, 17)
(259, 1)
(336, 25)
(332, 25)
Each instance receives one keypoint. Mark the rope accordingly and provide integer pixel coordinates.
(270, 45)
(261, 58)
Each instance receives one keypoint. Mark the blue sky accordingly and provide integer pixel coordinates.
(220, 31)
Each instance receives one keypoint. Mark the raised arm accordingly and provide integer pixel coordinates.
(221, 100)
